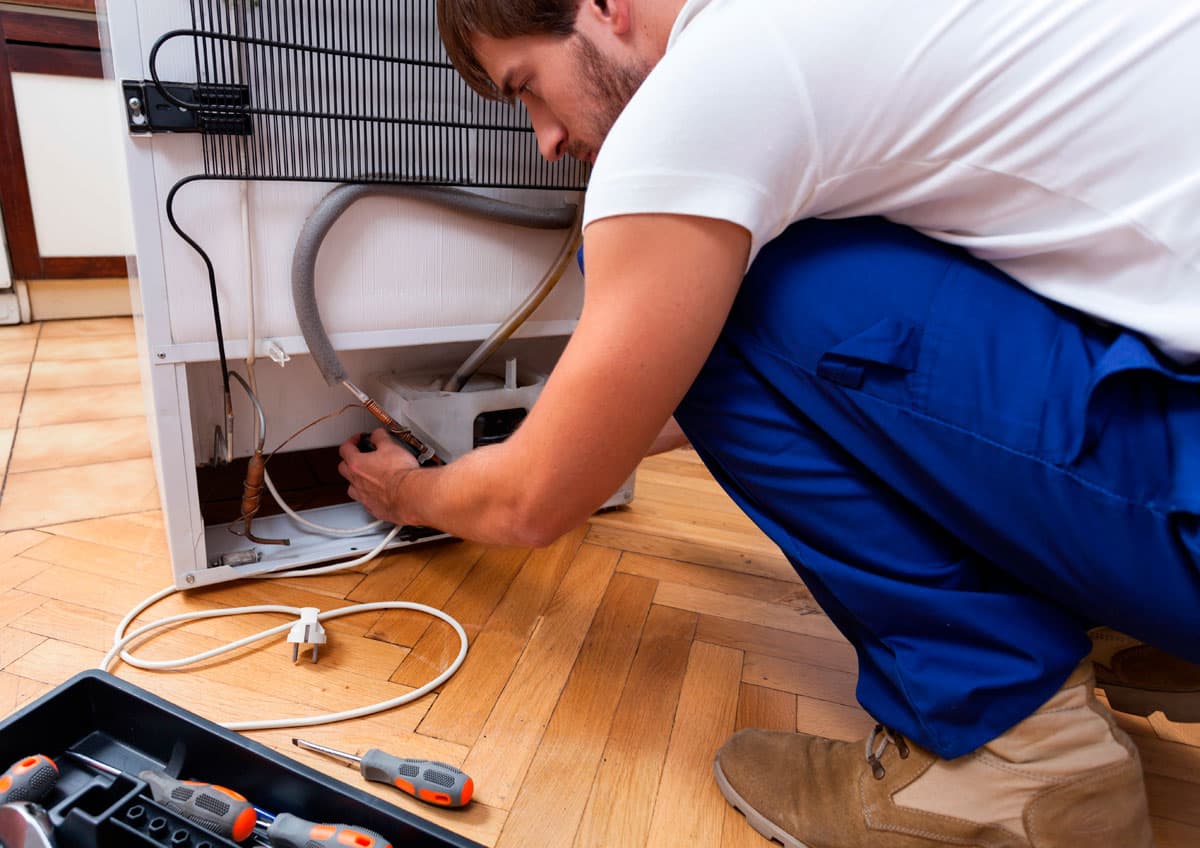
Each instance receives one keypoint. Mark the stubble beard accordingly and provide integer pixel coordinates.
(612, 86)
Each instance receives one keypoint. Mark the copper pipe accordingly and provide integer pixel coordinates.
(252, 498)
(422, 451)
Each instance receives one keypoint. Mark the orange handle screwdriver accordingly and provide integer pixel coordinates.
(434, 783)
(288, 831)
(28, 779)
(212, 807)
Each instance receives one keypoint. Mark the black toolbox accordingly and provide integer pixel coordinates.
(107, 719)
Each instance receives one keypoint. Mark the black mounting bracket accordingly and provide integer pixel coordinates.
(148, 111)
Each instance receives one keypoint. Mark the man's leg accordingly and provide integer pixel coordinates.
(945, 459)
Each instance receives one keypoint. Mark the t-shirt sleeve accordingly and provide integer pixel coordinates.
(722, 128)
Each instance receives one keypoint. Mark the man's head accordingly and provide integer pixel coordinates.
(574, 64)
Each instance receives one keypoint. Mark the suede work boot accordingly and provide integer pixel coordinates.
(1140, 679)
(1065, 777)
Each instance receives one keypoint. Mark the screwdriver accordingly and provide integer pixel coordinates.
(432, 782)
(288, 831)
(212, 807)
(28, 779)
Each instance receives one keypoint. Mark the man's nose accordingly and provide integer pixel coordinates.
(550, 132)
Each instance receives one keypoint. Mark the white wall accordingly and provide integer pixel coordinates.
(71, 133)
(5, 270)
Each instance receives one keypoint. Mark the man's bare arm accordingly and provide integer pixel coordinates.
(658, 292)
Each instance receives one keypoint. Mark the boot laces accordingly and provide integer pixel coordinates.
(879, 740)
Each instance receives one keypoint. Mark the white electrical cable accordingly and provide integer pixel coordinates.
(382, 705)
(164, 665)
(323, 529)
(337, 566)
(121, 640)
(307, 721)
(248, 245)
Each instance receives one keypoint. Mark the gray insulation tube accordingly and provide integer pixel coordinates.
(335, 204)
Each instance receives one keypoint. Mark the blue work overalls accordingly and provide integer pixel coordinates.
(966, 476)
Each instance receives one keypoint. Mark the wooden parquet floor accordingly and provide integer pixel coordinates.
(604, 671)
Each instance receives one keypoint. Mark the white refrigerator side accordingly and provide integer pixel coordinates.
(164, 383)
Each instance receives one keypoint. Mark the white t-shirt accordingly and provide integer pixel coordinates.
(1057, 139)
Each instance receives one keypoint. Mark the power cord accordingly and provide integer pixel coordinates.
(323, 529)
(121, 640)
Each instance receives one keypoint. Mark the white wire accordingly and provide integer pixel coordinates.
(248, 245)
(272, 724)
(337, 566)
(312, 525)
(121, 640)
(163, 665)
(308, 721)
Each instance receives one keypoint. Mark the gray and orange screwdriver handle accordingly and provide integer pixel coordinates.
(288, 831)
(214, 808)
(28, 779)
(434, 783)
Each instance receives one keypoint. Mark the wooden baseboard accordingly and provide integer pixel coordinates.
(51, 300)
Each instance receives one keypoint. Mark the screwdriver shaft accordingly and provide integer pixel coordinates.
(96, 764)
(331, 752)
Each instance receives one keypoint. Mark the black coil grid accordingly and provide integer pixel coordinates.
(349, 91)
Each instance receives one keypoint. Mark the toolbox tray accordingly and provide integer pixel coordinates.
(105, 718)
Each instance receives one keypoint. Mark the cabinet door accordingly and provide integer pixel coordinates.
(62, 194)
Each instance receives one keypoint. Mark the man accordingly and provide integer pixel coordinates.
(966, 476)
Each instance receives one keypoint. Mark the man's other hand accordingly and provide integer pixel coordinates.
(375, 475)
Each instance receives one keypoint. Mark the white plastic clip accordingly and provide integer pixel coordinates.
(278, 355)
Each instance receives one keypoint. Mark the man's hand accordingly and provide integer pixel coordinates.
(375, 476)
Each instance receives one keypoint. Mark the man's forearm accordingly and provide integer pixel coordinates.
(481, 498)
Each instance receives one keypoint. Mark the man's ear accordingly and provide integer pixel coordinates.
(614, 15)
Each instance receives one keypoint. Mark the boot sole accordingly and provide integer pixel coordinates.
(1176, 706)
(756, 820)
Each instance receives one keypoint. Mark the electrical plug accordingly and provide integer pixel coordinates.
(306, 631)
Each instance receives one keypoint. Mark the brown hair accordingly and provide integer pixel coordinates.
(460, 20)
